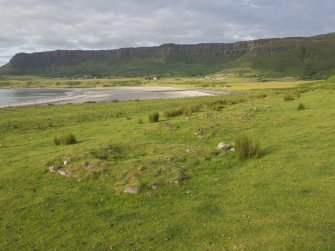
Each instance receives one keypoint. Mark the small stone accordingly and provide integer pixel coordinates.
(170, 159)
(155, 186)
(63, 173)
(233, 149)
(87, 165)
(53, 169)
(131, 189)
(224, 147)
(142, 168)
(182, 176)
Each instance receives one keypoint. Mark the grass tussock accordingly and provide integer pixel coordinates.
(184, 110)
(246, 148)
(154, 117)
(288, 97)
(301, 107)
(216, 105)
(66, 139)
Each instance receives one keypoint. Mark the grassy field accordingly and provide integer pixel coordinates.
(283, 200)
(227, 81)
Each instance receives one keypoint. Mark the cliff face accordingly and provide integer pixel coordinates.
(167, 53)
(277, 56)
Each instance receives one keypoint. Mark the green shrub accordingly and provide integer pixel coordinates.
(246, 148)
(154, 117)
(66, 139)
(301, 107)
(288, 97)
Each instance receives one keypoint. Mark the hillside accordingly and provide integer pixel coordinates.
(308, 58)
(283, 200)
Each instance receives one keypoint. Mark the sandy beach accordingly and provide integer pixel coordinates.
(82, 95)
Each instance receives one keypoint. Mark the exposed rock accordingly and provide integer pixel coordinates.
(155, 186)
(170, 159)
(87, 165)
(66, 161)
(131, 189)
(63, 173)
(224, 147)
(142, 168)
(53, 169)
(182, 176)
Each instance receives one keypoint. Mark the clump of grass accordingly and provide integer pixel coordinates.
(301, 107)
(288, 97)
(216, 107)
(261, 95)
(66, 139)
(297, 94)
(246, 148)
(173, 112)
(185, 110)
(188, 110)
(154, 117)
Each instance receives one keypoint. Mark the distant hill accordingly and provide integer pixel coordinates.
(308, 58)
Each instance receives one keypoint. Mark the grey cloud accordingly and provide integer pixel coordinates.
(35, 25)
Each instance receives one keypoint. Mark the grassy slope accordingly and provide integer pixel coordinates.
(284, 200)
(310, 58)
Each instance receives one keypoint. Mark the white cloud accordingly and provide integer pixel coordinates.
(36, 25)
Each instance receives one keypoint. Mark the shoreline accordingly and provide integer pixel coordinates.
(108, 94)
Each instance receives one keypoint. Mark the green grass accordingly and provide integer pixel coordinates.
(283, 200)
(222, 82)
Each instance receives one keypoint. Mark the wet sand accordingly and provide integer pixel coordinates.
(82, 95)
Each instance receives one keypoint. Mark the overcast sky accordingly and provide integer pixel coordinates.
(38, 25)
